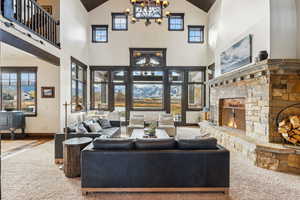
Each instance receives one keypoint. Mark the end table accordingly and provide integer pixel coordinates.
(72, 150)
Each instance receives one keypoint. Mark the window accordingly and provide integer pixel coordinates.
(119, 22)
(196, 90)
(99, 33)
(147, 96)
(118, 76)
(196, 34)
(176, 90)
(148, 58)
(148, 90)
(18, 86)
(176, 76)
(100, 80)
(78, 91)
(176, 22)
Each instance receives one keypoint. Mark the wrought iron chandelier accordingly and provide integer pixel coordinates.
(148, 10)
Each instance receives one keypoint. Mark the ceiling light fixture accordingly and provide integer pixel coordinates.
(148, 10)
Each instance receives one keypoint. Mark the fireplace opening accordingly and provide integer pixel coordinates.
(232, 113)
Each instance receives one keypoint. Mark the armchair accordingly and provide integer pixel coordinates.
(135, 122)
(166, 122)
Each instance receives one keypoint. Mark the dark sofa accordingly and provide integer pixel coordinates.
(113, 132)
(138, 168)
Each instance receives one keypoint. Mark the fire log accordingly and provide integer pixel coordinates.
(290, 129)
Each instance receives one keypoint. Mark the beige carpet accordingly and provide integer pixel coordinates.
(33, 175)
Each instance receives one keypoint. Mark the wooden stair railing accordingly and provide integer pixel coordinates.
(30, 15)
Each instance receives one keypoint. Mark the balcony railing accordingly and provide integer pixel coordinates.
(30, 15)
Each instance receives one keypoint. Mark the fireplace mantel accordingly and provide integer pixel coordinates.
(270, 66)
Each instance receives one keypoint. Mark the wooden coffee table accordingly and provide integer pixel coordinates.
(140, 133)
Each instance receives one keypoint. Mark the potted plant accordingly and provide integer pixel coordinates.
(152, 129)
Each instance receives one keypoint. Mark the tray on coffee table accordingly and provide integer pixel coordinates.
(140, 134)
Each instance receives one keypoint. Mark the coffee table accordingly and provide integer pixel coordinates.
(140, 133)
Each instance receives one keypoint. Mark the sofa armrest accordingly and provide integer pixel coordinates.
(115, 123)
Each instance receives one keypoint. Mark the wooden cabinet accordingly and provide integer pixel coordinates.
(12, 121)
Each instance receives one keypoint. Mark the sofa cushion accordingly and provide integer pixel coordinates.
(137, 121)
(113, 143)
(95, 127)
(155, 143)
(198, 143)
(104, 123)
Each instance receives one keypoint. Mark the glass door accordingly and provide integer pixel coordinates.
(120, 100)
(176, 102)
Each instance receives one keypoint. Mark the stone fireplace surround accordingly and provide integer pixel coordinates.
(267, 87)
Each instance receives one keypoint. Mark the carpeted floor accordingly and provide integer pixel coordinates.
(32, 174)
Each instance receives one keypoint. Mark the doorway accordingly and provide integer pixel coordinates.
(120, 100)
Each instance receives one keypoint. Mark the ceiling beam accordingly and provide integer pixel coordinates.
(202, 4)
(91, 4)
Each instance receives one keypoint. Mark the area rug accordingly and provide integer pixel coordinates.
(33, 175)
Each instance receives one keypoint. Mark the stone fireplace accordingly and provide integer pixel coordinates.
(243, 109)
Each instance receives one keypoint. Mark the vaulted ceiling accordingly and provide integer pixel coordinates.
(202, 4)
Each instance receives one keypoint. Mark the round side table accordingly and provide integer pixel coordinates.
(72, 150)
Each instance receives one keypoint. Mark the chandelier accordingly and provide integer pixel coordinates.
(148, 10)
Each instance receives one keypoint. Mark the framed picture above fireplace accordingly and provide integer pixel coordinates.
(238, 55)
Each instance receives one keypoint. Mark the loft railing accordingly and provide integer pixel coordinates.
(29, 14)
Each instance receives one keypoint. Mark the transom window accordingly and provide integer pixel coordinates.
(176, 22)
(119, 22)
(196, 34)
(99, 33)
(18, 89)
(78, 90)
(147, 58)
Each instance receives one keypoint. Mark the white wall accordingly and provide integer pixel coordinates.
(283, 29)
(47, 119)
(233, 20)
(213, 28)
(179, 51)
(74, 42)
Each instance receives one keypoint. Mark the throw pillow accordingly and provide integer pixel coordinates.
(105, 123)
(81, 129)
(95, 127)
(113, 143)
(200, 143)
(86, 125)
(71, 129)
(155, 143)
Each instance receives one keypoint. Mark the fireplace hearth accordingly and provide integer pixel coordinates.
(232, 113)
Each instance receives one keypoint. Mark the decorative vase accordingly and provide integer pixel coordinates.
(263, 55)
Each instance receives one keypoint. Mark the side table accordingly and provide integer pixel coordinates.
(72, 150)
